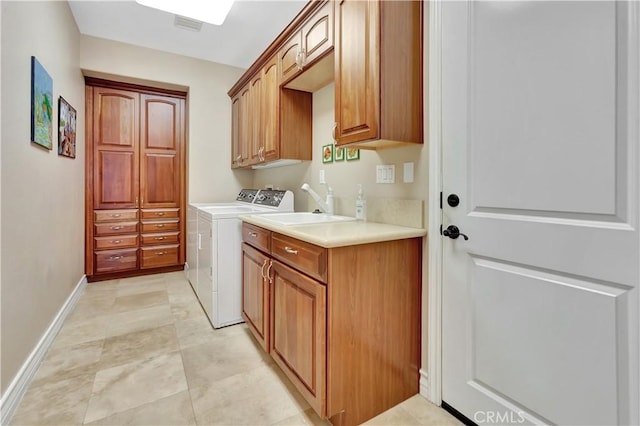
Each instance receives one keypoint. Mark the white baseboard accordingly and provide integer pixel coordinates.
(424, 384)
(14, 393)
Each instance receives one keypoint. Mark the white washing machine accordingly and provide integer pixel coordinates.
(218, 240)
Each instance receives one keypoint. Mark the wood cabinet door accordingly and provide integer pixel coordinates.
(256, 145)
(235, 132)
(288, 55)
(115, 148)
(271, 110)
(317, 34)
(245, 130)
(357, 92)
(255, 294)
(161, 132)
(298, 332)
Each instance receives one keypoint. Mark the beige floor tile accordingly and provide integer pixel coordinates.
(260, 396)
(55, 403)
(307, 417)
(81, 331)
(139, 345)
(143, 284)
(172, 410)
(178, 297)
(194, 331)
(426, 412)
(396, 416)
(184, 311)
(140, 301)
(207, 363)
(131, 385)
(139, 319)
(65, 362)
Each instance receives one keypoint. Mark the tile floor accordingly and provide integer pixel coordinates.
(140, 351)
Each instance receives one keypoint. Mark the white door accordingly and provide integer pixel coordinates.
(540, 141)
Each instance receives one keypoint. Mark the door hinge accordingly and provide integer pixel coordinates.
(441, 226)
(441, 201)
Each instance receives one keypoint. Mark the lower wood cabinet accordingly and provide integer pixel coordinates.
(342, 323)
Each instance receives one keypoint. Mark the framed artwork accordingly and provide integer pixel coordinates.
(327, 153)
(66, 129)
(338, 154)
(352, 154)
(41, 105)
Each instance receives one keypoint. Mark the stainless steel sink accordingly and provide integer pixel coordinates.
(304, 218)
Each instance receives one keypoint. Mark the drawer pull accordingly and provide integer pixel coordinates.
(160, 238)
(116, 228)
(160, 226)
(160, 214)
(161, 253)
(115, 257)
(116, 241)
(290, 250)
(115, 215)
(253, 234)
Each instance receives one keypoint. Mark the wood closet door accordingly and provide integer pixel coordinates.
(161, 136)
(115, 153)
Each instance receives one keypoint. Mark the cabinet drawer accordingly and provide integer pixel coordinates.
(153, 257)
(308, 258)
(163, 238)
(258, 237)
(115, 242)
(114, 215)
(116, 260)
(160, 213)
(115, 228)
(160, 226)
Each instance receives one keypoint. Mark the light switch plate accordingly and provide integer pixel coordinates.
(385, 173)
(323, 179)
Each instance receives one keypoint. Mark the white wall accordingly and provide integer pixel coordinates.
(209, 108)
(42, 193)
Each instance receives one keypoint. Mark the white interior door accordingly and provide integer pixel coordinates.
(540, 125)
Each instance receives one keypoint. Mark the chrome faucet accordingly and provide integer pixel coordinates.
(325, 206)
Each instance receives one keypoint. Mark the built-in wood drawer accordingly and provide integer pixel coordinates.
(163, 238)
(115, 242)
(307, 258)
(160, 213)
(160, 226)
(115, 228)
(154, 257)
(259, 238)
(116, 260)
(114, 215)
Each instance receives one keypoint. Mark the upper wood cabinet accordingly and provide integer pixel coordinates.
(270, 110)
(235, 131)
(115, 135)
(311, 42)
(378, 73)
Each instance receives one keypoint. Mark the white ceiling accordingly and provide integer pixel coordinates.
(249, 28)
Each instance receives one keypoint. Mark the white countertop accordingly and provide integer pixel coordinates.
(339, 234)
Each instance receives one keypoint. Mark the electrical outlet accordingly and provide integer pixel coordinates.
(408, 172)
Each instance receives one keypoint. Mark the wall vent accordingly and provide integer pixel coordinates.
(187, 23)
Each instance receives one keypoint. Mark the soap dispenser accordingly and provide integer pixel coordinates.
(361, 205)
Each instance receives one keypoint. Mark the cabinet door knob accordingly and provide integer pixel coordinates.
(116, 241)
(115, 258)
(290, 250)
(160, 238)
(160, 214)
(269, 272)
(262, 269)
(161, 253)
(115, 215)
(160, 226)
(116, 228)
(252, 234)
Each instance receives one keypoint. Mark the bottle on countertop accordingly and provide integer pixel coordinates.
(361, 205)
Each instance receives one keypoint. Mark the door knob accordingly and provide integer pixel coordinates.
(453, 232)
(453, 200)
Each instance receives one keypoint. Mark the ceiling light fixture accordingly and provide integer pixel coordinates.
(212, 12)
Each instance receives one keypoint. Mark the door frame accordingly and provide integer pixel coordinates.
(431, 376)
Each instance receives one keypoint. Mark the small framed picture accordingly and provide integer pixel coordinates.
(41, 105)
(353, 154)
(327, 153)
(338, 154)
(66, 129)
